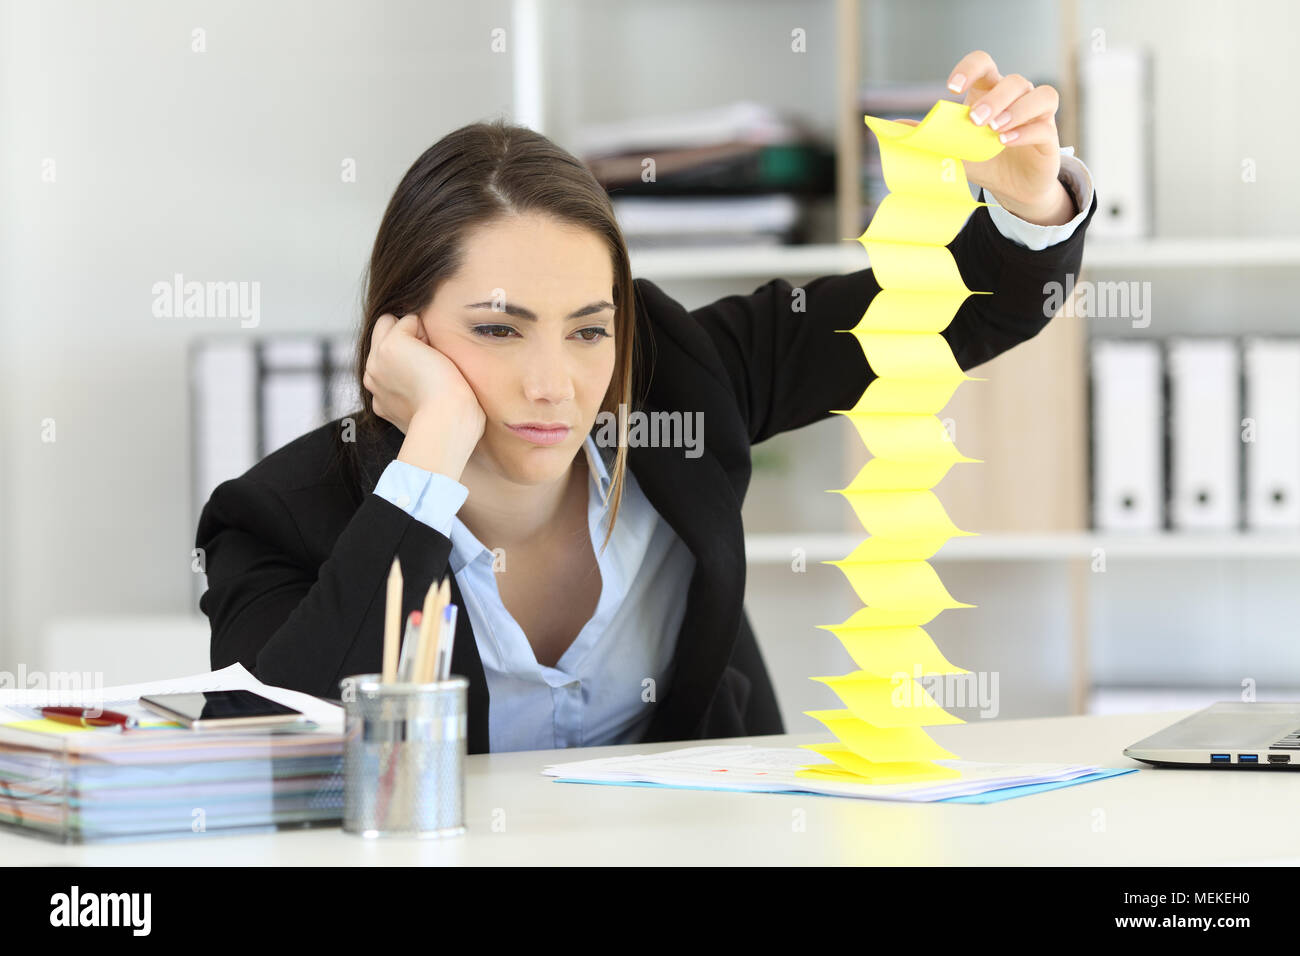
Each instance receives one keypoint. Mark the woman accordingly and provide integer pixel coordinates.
(501, 321)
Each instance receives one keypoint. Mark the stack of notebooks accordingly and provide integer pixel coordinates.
(79, 785)
(742, 174)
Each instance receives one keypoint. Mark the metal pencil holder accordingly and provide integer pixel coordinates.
(404, 757)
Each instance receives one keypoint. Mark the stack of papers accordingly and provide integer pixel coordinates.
(736, 175)
(740, 122)
(752, 769)
(76, 784)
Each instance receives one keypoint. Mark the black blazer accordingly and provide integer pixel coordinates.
(298, 549)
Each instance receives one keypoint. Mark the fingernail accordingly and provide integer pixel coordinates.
(956, 82)
(980, 113)
(997, 122)
(1007, 137)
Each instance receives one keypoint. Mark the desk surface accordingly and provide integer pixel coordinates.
(515, 815)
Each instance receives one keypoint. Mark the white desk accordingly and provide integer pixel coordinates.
(1156, 817)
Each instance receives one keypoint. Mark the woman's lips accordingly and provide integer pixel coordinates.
(541, 436)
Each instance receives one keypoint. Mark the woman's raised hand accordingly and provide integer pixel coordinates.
(1023, 176)
(421, 391)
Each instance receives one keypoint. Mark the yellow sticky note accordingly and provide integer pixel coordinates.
(915, 375)
(888, 702)
(886, 744)
(886, 651)
(898, 584)
(894, 474)
(881, 773)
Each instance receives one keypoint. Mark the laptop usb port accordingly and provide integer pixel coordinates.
(1247, 758)
(1279, 758)
(1221, 758)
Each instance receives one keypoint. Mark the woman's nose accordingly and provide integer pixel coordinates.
(547, 376)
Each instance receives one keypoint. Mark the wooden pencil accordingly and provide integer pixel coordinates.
(392, 622)
(429, 673)
(428, 622)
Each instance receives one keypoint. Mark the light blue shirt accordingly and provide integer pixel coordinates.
(599, 690)
(602, 689)
(1033, 236)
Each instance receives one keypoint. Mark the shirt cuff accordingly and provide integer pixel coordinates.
(1077, 180)
(427, 496)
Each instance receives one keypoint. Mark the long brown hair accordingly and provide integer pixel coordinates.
(474, 175)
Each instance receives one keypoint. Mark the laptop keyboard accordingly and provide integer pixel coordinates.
(1290, 742)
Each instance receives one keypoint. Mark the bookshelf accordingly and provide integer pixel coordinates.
(827, 258)
(778, 548)
(1028, 500)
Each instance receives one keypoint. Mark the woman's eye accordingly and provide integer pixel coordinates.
(489, 331)
(593, 334)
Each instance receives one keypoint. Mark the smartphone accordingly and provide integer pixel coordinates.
(221, 709)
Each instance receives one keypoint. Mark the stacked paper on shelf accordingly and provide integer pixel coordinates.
(740, 122)
(80, 785)
(774, 770)
(738, 175)
(720, 220)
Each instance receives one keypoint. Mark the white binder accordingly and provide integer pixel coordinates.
(223, 388)
(1115, 134)
(1271, 431)
(223, 410)
(1127, 435)
(1204, 433)
(293, 390)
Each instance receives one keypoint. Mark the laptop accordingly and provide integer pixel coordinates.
(1227, 734)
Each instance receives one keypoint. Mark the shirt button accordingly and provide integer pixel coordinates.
(403, 501)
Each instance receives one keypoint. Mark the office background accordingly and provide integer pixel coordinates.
(129, 157)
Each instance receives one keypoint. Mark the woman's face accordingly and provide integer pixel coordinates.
(545, 354)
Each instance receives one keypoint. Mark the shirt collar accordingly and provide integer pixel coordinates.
(599, 470)
(465, 547)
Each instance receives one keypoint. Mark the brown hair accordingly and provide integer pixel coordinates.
(474, 175)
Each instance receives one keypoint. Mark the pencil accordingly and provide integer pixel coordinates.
(429, 672)
(428, 621)
(392, 622)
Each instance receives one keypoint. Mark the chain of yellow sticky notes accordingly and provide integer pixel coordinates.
(878, 734)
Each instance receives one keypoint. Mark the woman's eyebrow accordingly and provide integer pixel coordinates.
(520, 312)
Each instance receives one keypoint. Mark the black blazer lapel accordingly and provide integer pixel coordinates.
(694, 496)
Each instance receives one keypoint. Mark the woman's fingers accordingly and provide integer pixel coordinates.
(996, 101)
(1031, 134)
(1039, 103)
(382, 326)
(974, 72)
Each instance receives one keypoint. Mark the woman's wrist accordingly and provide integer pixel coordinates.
(1054, 208)
(431, 445)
